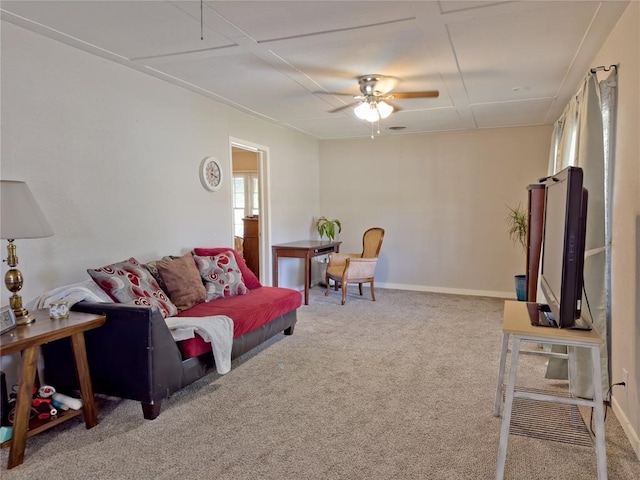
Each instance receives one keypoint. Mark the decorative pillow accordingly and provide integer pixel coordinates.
(130, 282)
(183, 282)
(248, 277)
(221, 274)
(153, 269)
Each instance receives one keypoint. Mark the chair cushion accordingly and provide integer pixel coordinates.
(359, 268)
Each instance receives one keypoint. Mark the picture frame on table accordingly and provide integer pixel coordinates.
(7, 319)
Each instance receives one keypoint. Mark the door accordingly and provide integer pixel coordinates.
(250, 218)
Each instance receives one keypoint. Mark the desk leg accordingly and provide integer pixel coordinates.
(23, 407)
(601, 449)
(84, 379)
(274, 268)
(508, 405)
(307, 278)
(503, 360)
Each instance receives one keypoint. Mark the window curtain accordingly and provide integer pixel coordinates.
(583, 137)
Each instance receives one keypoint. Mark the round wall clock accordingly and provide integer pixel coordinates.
(211, 174)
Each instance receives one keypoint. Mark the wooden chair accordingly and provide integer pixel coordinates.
(345, 268)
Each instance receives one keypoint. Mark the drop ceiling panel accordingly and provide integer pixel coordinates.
(345, 125)
(448, 6)
(495, 63)
(437, 119)
(518, 49)
(247, 81)
(337, 126)
(129, 29)
(276, 20)
(526, 112)
(335, 63)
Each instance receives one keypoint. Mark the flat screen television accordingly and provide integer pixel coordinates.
(565, 221)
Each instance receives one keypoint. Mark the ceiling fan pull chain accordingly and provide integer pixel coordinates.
(201, 22)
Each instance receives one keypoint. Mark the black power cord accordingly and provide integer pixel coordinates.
(607, 404)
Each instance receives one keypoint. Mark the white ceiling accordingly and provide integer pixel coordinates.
(495, 63)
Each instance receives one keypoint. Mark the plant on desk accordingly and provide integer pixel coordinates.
(328, 227)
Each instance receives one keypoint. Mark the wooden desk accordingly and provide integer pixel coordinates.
(27, 339)
(306, 249)
(517, 325)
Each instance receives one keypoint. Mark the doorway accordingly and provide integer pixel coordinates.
(249, 212)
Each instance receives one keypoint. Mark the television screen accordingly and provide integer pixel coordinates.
(563, 247)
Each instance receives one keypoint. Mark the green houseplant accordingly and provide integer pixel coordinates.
(328, 227)
(517, 222)
(517, 225)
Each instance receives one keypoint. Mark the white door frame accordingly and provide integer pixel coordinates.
(264, 227)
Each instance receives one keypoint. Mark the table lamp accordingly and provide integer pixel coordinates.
(21, 218)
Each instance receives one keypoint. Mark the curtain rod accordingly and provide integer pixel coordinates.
(602, 68)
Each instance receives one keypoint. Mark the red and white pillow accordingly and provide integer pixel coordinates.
(248, 277)
(221, 274)
(129, 282)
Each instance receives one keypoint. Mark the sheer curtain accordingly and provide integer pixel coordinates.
(583, 136)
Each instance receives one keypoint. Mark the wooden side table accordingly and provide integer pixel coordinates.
(27, 339)
(517, 325)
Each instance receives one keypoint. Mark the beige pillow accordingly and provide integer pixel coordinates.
(183, 281)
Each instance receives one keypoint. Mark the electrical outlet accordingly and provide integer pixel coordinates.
(625, 378)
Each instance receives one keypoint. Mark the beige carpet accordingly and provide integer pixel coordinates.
(402, 388)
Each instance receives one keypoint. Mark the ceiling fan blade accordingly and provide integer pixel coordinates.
(344, 107)
(401, 95)
(337, 93)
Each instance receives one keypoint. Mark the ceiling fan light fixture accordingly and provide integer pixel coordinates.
(373, 111)
(384, 109)
(367, 111)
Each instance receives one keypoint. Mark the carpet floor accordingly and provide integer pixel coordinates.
(401, 388)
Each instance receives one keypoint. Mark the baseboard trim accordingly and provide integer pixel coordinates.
(632, 435)
(426, 288)
(453, 291)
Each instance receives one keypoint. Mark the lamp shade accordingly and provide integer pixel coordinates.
(21, 216)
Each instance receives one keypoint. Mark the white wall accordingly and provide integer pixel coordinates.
(623, 48)
(112, 156)
(441, 199)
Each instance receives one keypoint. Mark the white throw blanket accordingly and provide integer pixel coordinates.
(74, 293)
(217, 330)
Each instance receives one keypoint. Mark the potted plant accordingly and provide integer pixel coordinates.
(328, 227)
(517, 221)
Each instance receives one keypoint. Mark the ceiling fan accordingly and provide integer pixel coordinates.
(373, 103)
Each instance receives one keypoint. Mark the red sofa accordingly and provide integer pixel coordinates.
(134, 355)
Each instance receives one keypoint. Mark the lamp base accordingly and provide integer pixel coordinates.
(25, 319)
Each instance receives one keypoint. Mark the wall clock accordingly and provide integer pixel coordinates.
(211, 174)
